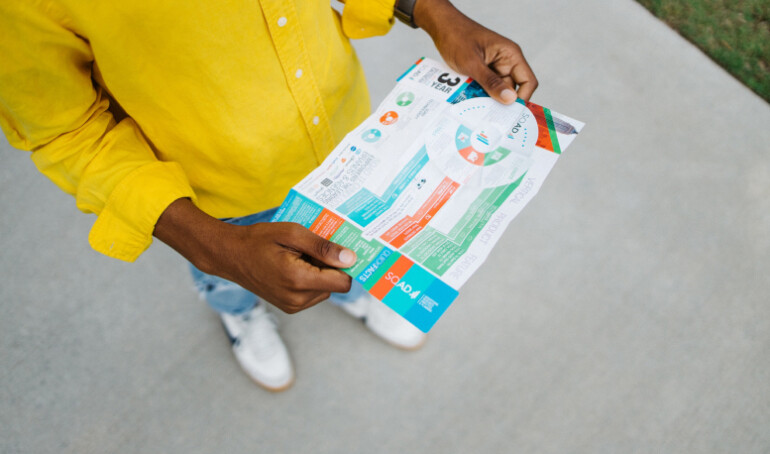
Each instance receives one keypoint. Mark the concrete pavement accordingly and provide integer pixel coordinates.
(625, 310)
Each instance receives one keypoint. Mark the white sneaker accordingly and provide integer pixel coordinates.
(385, 322)
(259, 349)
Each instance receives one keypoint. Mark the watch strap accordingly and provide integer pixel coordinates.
(404, 11)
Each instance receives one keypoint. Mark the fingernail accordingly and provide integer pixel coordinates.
(347, 257)
(508, 96)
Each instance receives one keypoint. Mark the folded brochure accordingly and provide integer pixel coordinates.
(423, 188)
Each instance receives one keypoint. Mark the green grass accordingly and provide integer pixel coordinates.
(735, 34)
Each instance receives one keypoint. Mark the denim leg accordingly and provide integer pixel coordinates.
(222, 295)
(356, 291)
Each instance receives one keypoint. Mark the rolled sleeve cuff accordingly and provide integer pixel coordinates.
(367, 18)
(124, 228)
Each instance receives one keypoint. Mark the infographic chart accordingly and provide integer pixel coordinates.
(424, 187)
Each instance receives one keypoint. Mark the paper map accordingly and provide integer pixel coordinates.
(424, 187)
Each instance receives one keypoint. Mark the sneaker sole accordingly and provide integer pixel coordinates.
(261, 385)
(393, 344)
(271, 389)
(389, 342)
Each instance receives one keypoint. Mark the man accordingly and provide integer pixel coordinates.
(191, 120)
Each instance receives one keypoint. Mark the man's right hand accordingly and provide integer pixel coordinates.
(282, 262)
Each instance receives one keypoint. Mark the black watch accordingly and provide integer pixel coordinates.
(404, 11)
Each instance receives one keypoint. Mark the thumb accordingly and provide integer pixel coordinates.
(493, 84)
(321, 249)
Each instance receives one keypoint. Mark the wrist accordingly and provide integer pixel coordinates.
(431, 15)
(192, 233)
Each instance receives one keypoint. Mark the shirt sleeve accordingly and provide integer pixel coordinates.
(367, 18)
(49, 105)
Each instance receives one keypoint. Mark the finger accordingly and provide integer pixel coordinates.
(318, 299)
(334, 281)
(525, 79)
(321, 249)
(301, 301)
(303, 276)
(313, 298)
(509, 80)
(315, 262)
(493, 84)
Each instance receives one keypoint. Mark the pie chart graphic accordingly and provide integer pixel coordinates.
(488, 147)
(388, 118)
(480, 147)
(405, 98)
(371, 135)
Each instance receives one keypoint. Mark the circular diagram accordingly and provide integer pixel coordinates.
(482, 143)
(388, 118)
(405, 98)
(371, 135)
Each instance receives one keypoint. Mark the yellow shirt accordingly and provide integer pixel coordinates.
(228, 102)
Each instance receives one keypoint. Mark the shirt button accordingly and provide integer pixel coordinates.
(316, 120)
(282, 21)
(298, 74)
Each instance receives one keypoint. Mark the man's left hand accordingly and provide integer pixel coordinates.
(494, 61)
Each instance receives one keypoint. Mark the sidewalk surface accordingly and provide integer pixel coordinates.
(624, 311)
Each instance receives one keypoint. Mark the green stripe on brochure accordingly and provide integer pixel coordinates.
(552, 131)
(377, 275)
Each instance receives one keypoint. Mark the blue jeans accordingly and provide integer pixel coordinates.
(228, 297)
